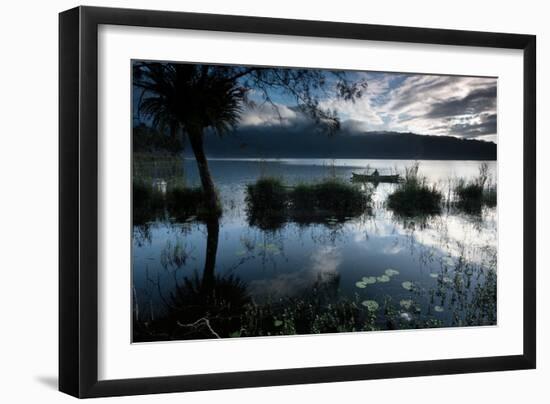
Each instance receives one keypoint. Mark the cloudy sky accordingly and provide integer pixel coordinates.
(463, 107)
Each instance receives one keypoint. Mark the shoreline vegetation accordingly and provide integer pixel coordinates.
(267, 268)
(474, 194)
(214, 306)
(413, 196)
(226, 309)
(270, 202)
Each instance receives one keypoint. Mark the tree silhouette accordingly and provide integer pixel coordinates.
(186, 99)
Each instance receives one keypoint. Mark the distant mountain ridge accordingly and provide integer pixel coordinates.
(275, 142)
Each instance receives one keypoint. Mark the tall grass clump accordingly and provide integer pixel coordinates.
(331, 195)
(267, 194)
(477, 192)
(490, 196)
(185, 202)
(414, 196)
(266, 203)
(271, 203)
(147, 203)
(175, 202)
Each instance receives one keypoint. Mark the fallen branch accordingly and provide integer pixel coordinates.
(196, 323)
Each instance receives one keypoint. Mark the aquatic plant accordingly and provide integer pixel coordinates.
(490, 196)
(193, 311)
(406, 303)
(369, 280)
(408, 285)
(270, 203)
(406, 316)
(414, 197)
(268, 194)
(180, 203)
(184, 202)
(472, 195)
(371, 305)
(383, 278)
(391, 272)
(331, 194)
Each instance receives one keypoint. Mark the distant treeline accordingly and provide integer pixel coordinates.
(279, 142)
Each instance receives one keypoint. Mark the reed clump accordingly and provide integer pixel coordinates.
(414, 196)
(472, 195)
(157, 202)
(271, 203)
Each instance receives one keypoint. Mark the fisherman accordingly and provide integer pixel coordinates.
(375, 173)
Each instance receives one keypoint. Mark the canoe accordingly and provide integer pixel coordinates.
(374, 178)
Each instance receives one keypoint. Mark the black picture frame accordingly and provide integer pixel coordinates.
(78, 201)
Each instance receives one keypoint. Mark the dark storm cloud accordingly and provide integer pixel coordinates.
(475, 102)
(423, 104)
(487, 125)
(418, 88)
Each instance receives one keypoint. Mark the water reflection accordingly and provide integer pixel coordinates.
(248, 276)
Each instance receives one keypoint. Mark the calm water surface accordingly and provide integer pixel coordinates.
(289, 261)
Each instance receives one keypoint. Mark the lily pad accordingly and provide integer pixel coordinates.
(446, 279)
(361, 285)
(408, 285)
(406, 304)
(406, 316)
(434, 275)
(383, 278)
(439, 309)
(369, 280)
(371, 305)
(391, 272)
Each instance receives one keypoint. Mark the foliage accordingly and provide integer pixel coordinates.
(267, 194)
(146, 203)
(414, 197)
(177, 202)
(270, 203)
(471, 196)
(187, 97)
(226, 310)
(329, 195)
(490, 196)
(184, 99)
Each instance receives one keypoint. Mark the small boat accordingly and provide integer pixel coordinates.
(374, 178)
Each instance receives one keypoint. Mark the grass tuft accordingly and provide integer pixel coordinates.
(177, 202)
(414, 197)
(271, 203)
(471, 196)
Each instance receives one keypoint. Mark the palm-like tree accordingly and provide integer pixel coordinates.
(189, 98)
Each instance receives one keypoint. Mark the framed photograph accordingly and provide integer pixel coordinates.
(252, 202)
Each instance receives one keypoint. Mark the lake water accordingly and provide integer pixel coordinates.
(440, 263)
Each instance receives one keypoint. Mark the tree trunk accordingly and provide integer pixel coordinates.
(212, 236)
(211, 197)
